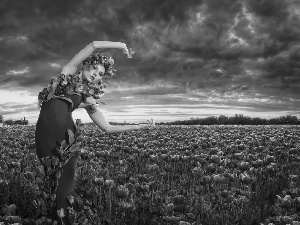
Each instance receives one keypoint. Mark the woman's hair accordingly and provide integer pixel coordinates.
(100, 59)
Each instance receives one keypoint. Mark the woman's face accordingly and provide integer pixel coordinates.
(95, 74)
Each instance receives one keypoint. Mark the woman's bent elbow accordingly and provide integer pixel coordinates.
(93, 44)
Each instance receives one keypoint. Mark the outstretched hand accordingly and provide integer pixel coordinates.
(150, 126)
(127, 52)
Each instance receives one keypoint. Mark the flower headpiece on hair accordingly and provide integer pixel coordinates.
(103, 60)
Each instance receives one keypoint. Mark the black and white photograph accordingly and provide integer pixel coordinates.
(148, 112)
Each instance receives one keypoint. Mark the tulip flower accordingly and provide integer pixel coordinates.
(70, 199)
(58, 173)
(127, 205)
(145, 188)
(61, 213)
(122, 192)
(72, 215)
(99, 181)
(110, 183)
(54, 161)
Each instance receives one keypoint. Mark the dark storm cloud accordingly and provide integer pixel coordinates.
(275, 9)
(225, 45)
(277, 21)
(56, 31)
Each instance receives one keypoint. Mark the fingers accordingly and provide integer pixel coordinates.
(149, 126)
(127, 52)
(130, 53)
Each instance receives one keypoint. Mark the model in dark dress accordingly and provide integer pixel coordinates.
(57, 137)
(54, 120)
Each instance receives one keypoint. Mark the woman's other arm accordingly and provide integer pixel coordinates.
(70, 68)
(98, 118)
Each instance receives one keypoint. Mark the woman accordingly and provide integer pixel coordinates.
(57, 136)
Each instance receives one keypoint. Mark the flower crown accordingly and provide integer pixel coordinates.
(100, 59)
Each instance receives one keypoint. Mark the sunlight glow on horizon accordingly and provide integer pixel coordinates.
(138, 114)
(20, 104)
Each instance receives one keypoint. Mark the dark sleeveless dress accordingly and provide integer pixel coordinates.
(54, 120)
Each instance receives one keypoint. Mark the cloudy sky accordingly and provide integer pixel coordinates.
(194, 58)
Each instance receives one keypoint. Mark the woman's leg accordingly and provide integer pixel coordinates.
(66, 184)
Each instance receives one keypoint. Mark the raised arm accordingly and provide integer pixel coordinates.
(71, 67)
(101, 122)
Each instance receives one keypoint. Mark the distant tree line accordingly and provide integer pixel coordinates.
(238, 119)
(13, 122)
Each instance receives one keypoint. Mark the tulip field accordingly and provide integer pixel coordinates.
(186, 175)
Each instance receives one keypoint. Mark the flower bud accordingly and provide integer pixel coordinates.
(122, 192)
(72, 215)
(70, 199)
(99, 181)
(127, 205)
(170, 207)
(110, 183)
(53, 197)
(58, 174)
(61, 213)
(54, 161)
(145, 188)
